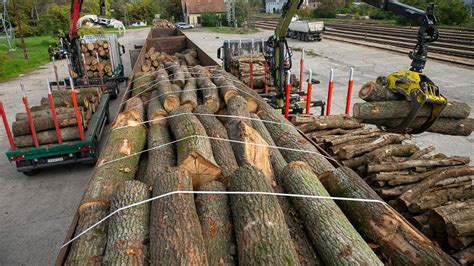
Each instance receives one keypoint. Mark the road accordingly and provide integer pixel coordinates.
(35, 212)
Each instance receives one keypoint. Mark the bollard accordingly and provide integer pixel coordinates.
(53, 113)
(308, 92)
(287, 95)
(7, 127)
(349, 90)
(330, 89)
(30, 118)
(76, 110)
(301, 70)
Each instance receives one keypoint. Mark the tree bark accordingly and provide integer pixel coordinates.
(128, 234)
(351, 151)
(189, 92)
(97, 92)
(222, 150)
(399, 242)
(194, 150)
(465, 256)
(399, 150)
(286, 136)
(216, 224)
(83, 100)
(261, 232)
(155, 110)
(209, 90)
(376, 92)
(166, 94)
(324, 221)
(347, 139)
(388, 167)
(400, 109)
(446, 126)
(330, 122)
(136, 108)
(43, 123)
(175, 233)
(47, 137)
(254, 101)
(177, 74)
(162, 153)
(438, 196)
(47, 112)
(226, 87)
(453, 225)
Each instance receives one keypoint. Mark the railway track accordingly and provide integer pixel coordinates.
(454, 45)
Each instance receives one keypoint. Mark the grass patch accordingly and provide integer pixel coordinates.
(309, 52)
(230, 30)
(12, 63)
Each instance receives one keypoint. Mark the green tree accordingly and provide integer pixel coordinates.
(172, 10)
(448, 12)
(55, 21)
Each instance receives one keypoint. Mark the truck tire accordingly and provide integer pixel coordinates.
(306, 37)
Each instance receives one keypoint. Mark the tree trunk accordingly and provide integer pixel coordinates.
(237, 106)
(175, 233)
(128, 234)
(351, 151)
(222, 150)
(453, 225)
(47, 112)
(446, 126)
(47, 137)
(253, 99)
(155, 110)
(136, 108)
(226, 87)
(399, 150)
(216, 223)
(388, 167)
(208, 89)
(167, 96)
(162, 153)
(189, 92)
(97, 92)
(400, 109)
(261, 232)
(286, 136)
(194, 152)
(376, 92)
(465, 256)
(177, 74)
(329, 122)
(378, 223)
(43, 123)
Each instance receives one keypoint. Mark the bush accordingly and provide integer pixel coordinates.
(304, 13)
(213, 19)
(55, 21)
(85, 30)
(324, 13)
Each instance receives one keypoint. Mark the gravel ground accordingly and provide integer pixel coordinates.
(35, 212)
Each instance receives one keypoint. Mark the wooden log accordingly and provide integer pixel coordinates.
(175, 233)
(97, 92)
(43, 123)
(189, 92)
(465, 256)
(261, 233)
(128, 234)
(150, 52)
(453, 225)
(136, 108)
(47, 137)
(168, 98)
(347, 139)
(398, 241)
(446, 126)
(400, 109)
(394, 192)
(226, 88)
(297, 147)
(155, 110)
(399, 150)
(222, 150)
(208, 89)
(377, 92)
(324, 221)
(177, 90)
(46, 111)
(142, 82)
(237, 106)
(216, 224)
(162, 153)
(194, 153)
(351, 151)
(438, 175)
(191, 59)
(329, 122)
(387, 167)
(454, 180)
(253, 99)
(420, 153)
(436, 197)
(82, 100)
(176, 74)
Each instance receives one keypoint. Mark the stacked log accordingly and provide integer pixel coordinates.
(97, 60)
(87, 99)
(240, 67)
(385, 108)
(163, 24)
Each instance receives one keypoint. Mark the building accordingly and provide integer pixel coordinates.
(274, 6)
(192, 9)
(470, 6)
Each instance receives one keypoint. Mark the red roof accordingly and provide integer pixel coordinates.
(204, 6)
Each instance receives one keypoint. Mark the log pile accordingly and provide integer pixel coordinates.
(434, 192)
(155, 60)
(97, 58)
(385, 108)
(190, 149)
(87, 99)
(163, 24)
(240, 67)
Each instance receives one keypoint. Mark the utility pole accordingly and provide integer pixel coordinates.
(20, 31)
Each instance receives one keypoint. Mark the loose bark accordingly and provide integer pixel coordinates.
(166, 94)
(447, 126)
(43, 123)
(226, 87)
(177, 74)
(155, 110)
(208, 89)
(400, 109)
(453, 225)
(286, 136)
(128, 234)
(261, 232)
(194, 150)
(215, 216)
(352, 151)
(175, 233)
(387, 167)
(376, 92)
(399, 150)
(47, 137)
(222, 149)
(324, 221)
(330, 122)
(399, 242)
(189, 92)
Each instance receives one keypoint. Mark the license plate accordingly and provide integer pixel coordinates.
(55, 160)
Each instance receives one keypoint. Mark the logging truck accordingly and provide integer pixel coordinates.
(305, 30)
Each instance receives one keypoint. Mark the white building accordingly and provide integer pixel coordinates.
(470, 6)
(274, 6)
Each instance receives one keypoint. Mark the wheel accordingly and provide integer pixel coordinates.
(32, 172)
(95, 153)
(306, 38)
(114, 91)
(107, 117)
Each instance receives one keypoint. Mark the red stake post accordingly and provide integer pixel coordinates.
(30, 118)
(53, 112)
(266, 77)
(287, 96)
(308, 92)
(7, 127)
(301, 70)
(330, 89)
(76, 110)
(349, 91)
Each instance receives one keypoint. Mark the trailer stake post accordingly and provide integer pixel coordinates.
(287, 95)
(301, 70)
(30, 118)
(53, 113)
(330, 89)
(76, 110)
(308, 92)
(7, 127)
(349, 90)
